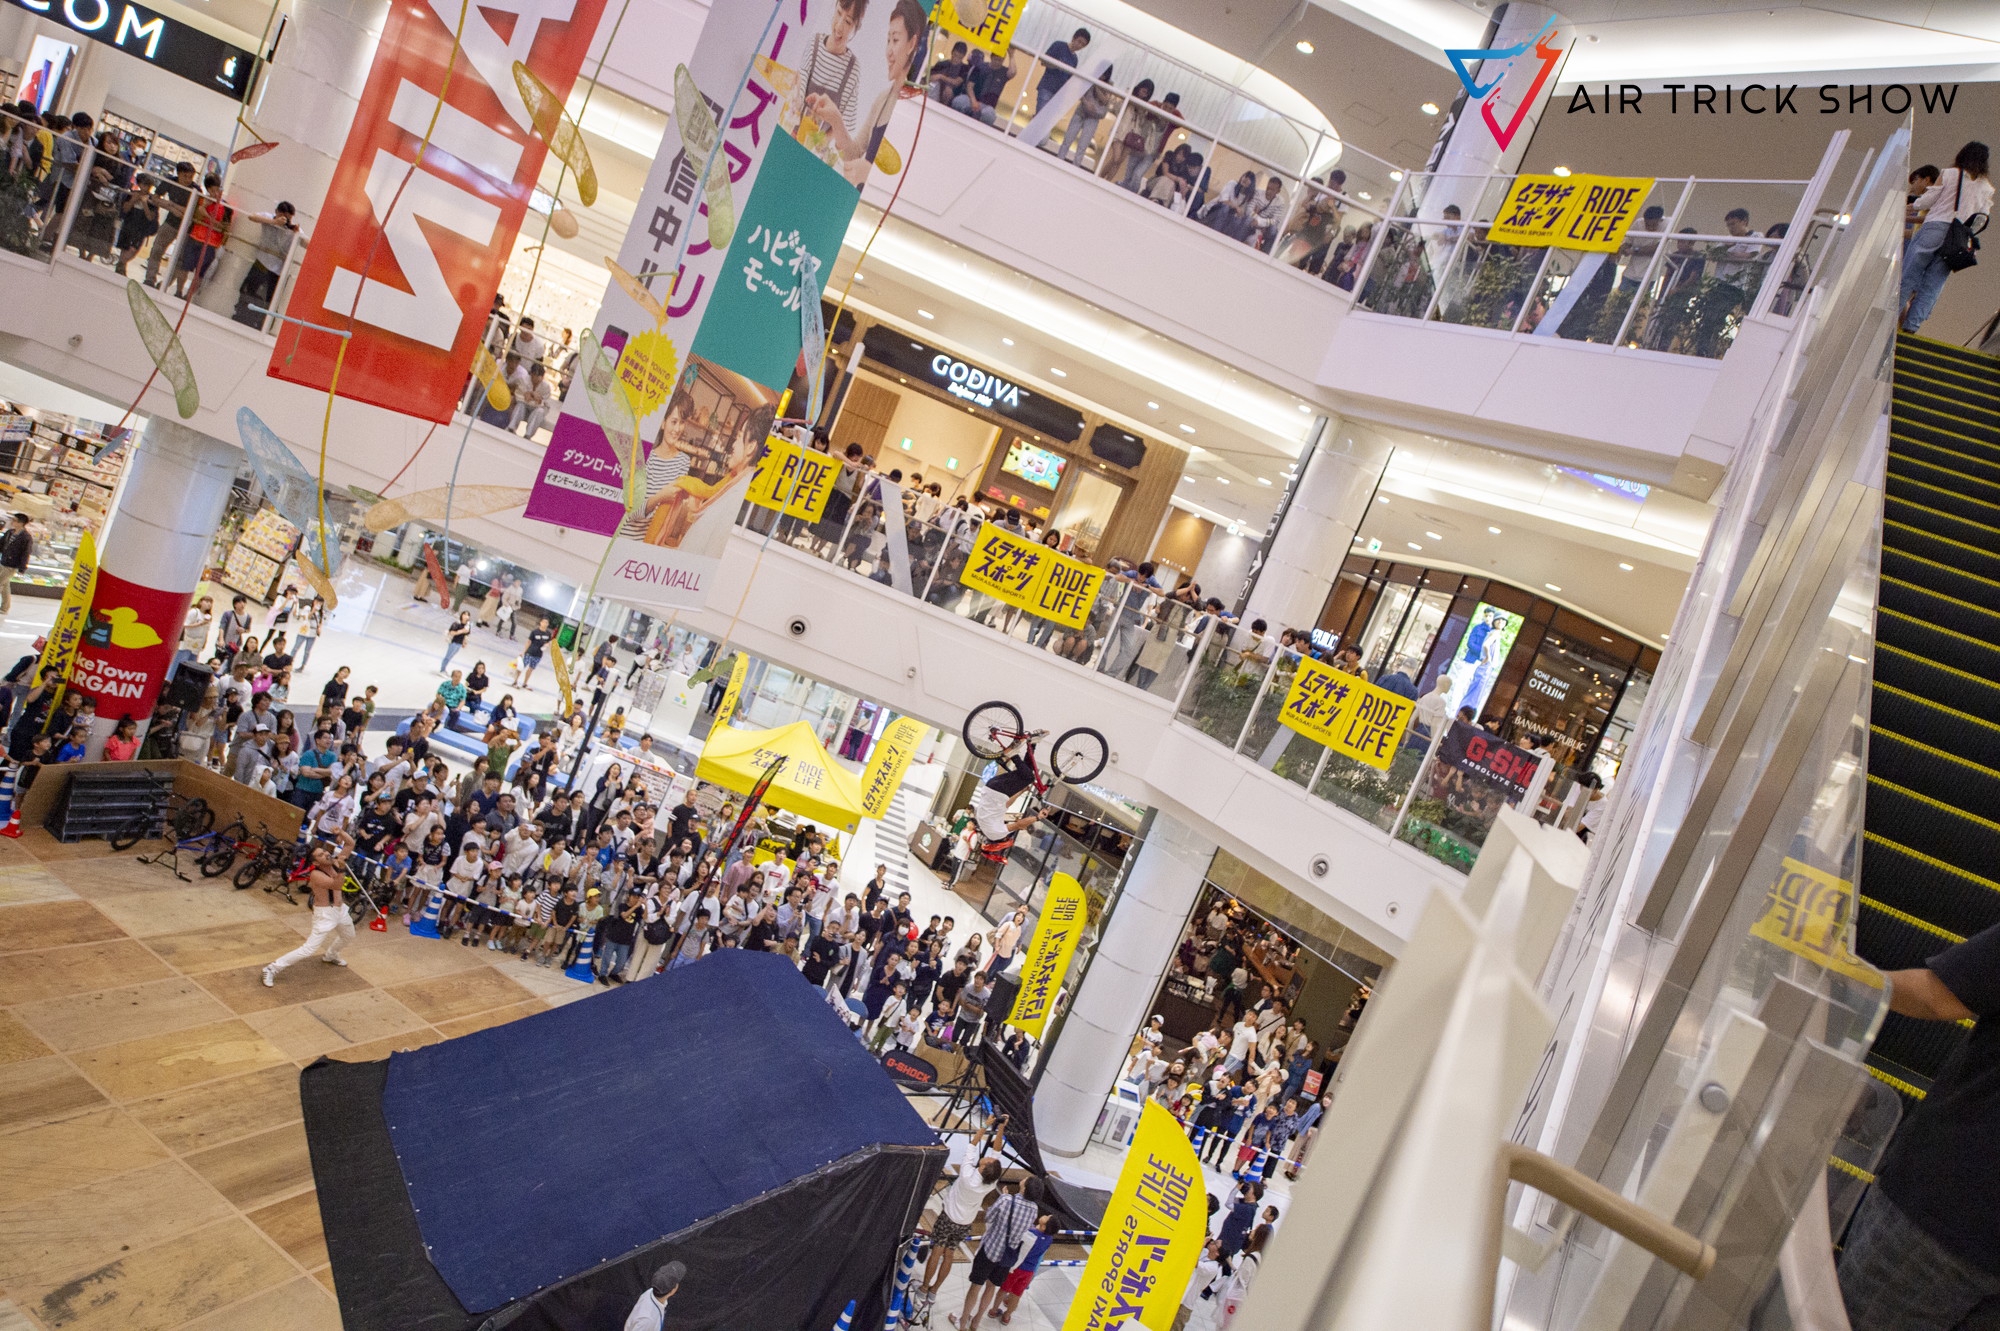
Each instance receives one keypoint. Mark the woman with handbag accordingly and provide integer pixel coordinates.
(1955, 211)
(1090, 110)
(1128, 136)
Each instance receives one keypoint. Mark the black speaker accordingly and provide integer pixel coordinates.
(1117, 447)
(188, 686)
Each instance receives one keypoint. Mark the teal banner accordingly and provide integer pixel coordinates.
(799, 206)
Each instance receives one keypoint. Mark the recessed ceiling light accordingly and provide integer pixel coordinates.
(1552, 587)
(1562, 171)
(859, 278)
(1429, 108)
(1381, 499)
(1060, 374)
(1304, 47)
(1626, 567)
(1006, 341)
(1413, 545)
(1605, 636)
(1395, 175)
(1307, 410)
(1152, 406)
(1494, 530)
(1263, 480)
(1186, 428)
(1365, 195)
(1223, 479)
(1434, 536)
(1187, 478)
(925, 314)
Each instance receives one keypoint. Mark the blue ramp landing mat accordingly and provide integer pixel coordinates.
(537, 1150)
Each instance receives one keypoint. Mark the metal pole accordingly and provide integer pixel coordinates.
(1262, 688)
(79, 185)
(1541, 275)
(1194, 661)
(1653, 268)
(1381, 236)
(589, 729)
(1409, 796)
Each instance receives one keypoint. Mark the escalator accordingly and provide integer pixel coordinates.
(1930, 873)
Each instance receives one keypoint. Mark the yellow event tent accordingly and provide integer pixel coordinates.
(810, 785)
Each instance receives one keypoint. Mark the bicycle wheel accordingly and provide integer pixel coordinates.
(194, 818)
(990, 727)
(221, 852)
(247, 876)
(132, 833)
(1079, 754)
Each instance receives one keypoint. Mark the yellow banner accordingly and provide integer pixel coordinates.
(1152, 1234)
(890, 760)
(1064, 913)
(561, 664)
(1346, 713)
(67, 631)
(736, 674)
(1031, 576)
(1574, 212)
(1806, 912)
(987, 24)
(795, 480)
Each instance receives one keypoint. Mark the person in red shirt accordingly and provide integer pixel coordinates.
(206, 235)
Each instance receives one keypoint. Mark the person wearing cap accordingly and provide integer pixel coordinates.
(650, 1312)
(15, 548)
(275, 232)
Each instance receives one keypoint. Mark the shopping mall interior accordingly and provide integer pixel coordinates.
(1342, 650)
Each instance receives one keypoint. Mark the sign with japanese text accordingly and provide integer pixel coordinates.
(128, 642)
(796, 481)
(799, 208)
(1151, 1237)
(887, 764)
(67, 632)
(735, 689)
(1031, 576)
(1809, 913)
(420, 310)
(1065, 910)
(1346, 713)
(986, 24)
(1573, 212)
(822, 80)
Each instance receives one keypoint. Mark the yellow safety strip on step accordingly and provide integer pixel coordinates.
(1940, 596)
(1922, 798)
(1945, 489)
(1934, 563)
(1926, 508)
(1908, 461)
(1852, 1171)
(1970, 439)
(1906, 918)
(1938, 628)
(1931, 860)
(1922, 701)
(1881, 647)
(1896, 1082)
(1905, 381)
(1957, 352)
(1896, 438)
(1933, 536)
(1936, 753)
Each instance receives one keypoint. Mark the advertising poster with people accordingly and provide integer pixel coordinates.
(1476, 662)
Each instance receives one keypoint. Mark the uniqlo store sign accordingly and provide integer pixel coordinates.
(420, 308)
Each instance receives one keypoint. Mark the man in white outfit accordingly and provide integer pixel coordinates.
(330, 918)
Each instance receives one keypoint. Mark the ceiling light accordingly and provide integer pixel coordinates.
(1307, 410)
(1381, 499)
(1152, 406)
(1186, 428)
(1395, 175)
(1187, 478)
(1413, 545)
(1060, 374)
(925, 314)
(859, 278)
(1552, 587)
(1263, 480)
(1562, 171)
(1434, 536)
(1304, 47)
(1605, 636)
(1006, 341)
(1365, 195)
(1626, 567)
(1494, 530)
(1429, 108)
(1223, 479)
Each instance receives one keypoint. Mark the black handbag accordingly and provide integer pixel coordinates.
(1960, 249)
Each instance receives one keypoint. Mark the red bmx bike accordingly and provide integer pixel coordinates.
(995, 732)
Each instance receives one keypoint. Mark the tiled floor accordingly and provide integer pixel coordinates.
(153, 1168)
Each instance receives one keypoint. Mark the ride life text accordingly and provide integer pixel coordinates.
(1758, 99)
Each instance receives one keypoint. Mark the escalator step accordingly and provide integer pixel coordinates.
(1950, 499)
(1942, 894)
(1932, 723)
(1940, 579)
(1946, 431)
(1982, 561)
(1916, 512)
(1918, 346)
(1960, 690)
(1920, 1047)
(1894, 940)
(1907, 1082)
(1947, 380)
(1980, 415)
(1965, 618)
(1945, 777)
(1936, 642)
(1923, 450)
(1941, 473)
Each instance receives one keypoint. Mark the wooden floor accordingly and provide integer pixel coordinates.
(153, 1167)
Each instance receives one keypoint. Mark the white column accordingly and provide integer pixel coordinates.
(155, 546)
(1318, 529)
(1465, 144)
(1139, 940)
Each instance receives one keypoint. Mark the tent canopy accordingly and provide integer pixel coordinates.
(811, 784)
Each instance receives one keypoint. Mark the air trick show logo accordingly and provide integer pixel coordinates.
(1522, 69)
